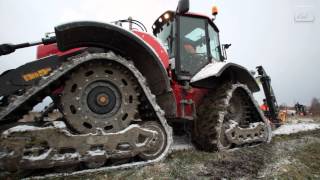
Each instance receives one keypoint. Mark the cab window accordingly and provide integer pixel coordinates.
(165, 37)
(193, 46)
(214, 44)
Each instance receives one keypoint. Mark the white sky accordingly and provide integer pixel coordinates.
(262, 32)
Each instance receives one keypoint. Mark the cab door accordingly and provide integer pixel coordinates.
(192, 46)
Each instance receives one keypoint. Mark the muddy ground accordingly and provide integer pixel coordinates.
(295, 156)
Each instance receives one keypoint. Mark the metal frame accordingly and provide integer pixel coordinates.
(269, 94)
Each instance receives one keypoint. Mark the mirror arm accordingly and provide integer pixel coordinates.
(224, 50)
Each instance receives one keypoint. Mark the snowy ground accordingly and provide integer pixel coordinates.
(297, 125)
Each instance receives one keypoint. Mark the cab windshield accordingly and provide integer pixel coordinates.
(192, 41)
(193, 44)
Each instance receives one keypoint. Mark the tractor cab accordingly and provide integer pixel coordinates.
(191, 40)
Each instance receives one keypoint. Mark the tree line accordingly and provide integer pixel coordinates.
(315, 106)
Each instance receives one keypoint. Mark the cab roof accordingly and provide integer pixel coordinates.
(169, 15)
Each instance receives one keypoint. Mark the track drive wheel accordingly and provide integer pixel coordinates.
(100, 95)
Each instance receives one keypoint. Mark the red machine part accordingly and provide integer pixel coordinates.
(52, 49)
(155, 44)
(194, 94)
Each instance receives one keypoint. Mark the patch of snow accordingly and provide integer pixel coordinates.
(295, 128)
(6, 154)
(97, 152)
(41, 106)
(59, 124)
(300, 120)
(233, 124)
(254, 125)
(209, 70)
(37, 158)
(2, 154)
(59, 157)
(129, 128)
(20, 128)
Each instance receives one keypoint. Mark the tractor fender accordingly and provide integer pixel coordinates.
(124, 43)
(215, 73)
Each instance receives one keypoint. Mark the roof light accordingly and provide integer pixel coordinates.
(166, 16)
(154, 27)
(160, 19)
(214, 10)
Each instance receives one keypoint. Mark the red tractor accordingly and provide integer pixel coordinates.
(119, 96)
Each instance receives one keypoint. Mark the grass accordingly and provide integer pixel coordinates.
(178, 165)
(305, 164)
(310, 157)
(316, 118)
(302, 155)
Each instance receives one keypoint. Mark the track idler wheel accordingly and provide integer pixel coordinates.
(157, 144)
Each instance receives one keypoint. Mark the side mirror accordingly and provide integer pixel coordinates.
(252, 72)
(183, 7)
(224, 52)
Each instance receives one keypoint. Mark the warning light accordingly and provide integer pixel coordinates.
(214, 10)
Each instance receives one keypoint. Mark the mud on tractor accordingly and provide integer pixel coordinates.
(119, 96)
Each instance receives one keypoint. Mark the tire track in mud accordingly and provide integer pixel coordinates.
(263, 161)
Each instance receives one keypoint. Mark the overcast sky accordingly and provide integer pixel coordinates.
(281, 35)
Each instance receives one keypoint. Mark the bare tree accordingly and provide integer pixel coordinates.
(283, 106)
(315, 106)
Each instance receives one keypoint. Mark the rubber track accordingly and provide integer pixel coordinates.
(77, 61)
(211, 115)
